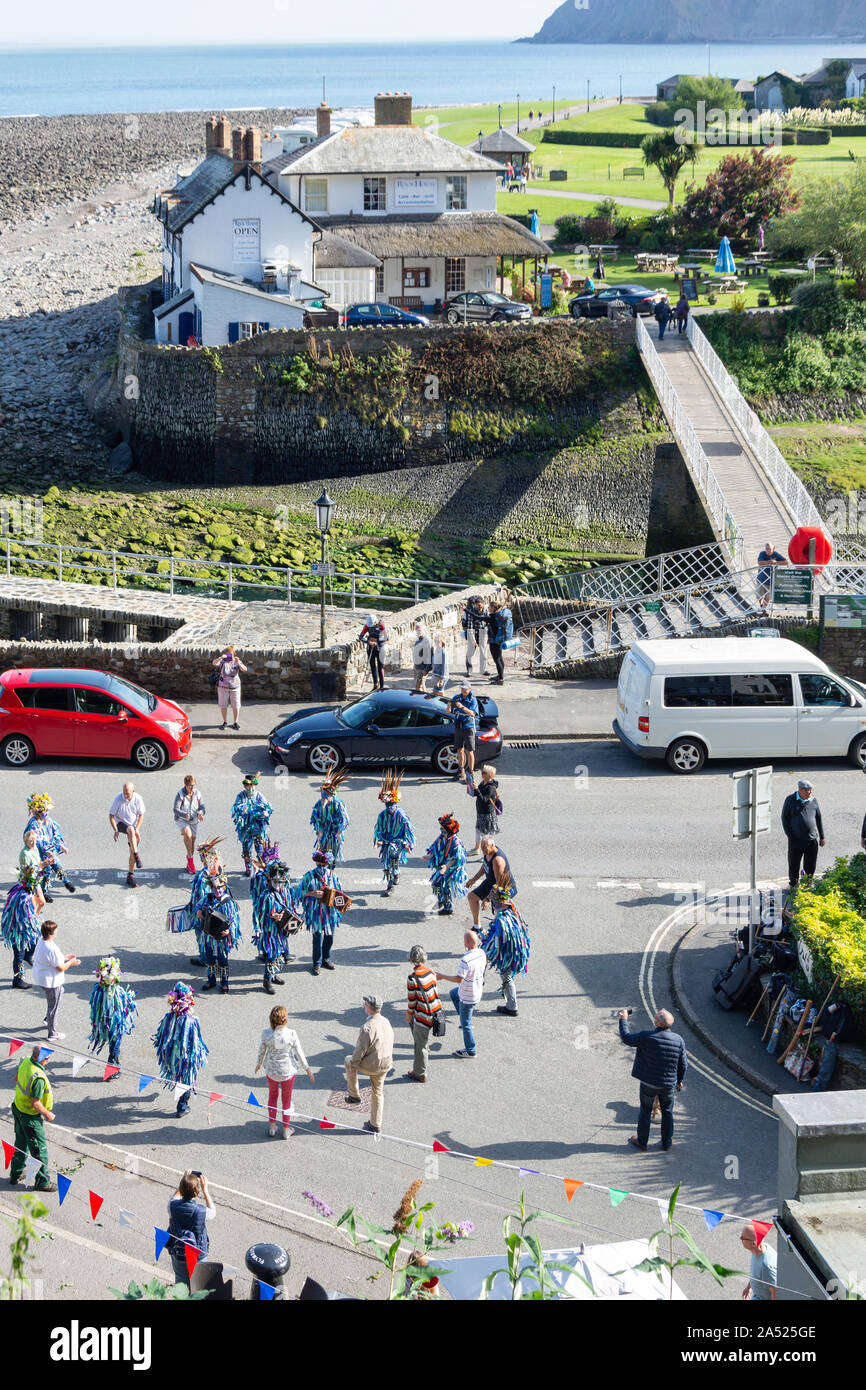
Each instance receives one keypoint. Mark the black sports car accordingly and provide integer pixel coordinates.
(638, 298)
(389, 726)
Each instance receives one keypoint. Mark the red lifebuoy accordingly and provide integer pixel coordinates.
(798, 546)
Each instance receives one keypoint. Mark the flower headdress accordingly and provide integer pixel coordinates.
(504, 890)
(391, 779)
(28, 877)
(108, 972)
(182, 999)
(209, 849)
(449, 824)
(251, 779)
(335, 779)
(39, 802)
(323, 856)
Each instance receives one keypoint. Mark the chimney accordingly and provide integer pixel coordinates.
(210, 132)
(323, 120)
(252, 148)
(393, 108)
(223, 137)
(237, 149)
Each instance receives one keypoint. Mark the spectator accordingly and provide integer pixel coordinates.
(493, 871)
(599, 265)
(421, 1010)
(441, 668)
(31, 1107)
(804, 826)
(768, 558)
(464, 707)
(761, 1287)
(531, 115)
(281, 1055)
(660, 1065)
(682, 313)
(189, 1211)
(229, 685)
(49, 967)
(422, 656)
(487, 807)
(474, 622)
(373, 1057)
(189, 812)
(469, 987)
(662, 315)
(501, 636)
(375, 636)
(524, 177)
(126, 814)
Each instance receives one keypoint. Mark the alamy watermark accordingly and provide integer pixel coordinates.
(21, 518)
(718, 127)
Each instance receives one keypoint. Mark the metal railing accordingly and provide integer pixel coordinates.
(226, 579)
(647, 576)
(691, 447)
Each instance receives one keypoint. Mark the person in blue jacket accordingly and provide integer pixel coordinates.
(501, 631)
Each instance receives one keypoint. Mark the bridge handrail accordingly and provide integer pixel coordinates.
(645, 575)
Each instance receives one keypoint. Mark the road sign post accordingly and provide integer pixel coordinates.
(752, 808)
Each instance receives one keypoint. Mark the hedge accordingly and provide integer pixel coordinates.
(813, 136)
(628, 140)
(828, 920)
(782, 286)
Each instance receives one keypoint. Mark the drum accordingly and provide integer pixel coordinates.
(178, 919)
(215, 923)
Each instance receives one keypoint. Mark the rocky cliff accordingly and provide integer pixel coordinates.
(701, 21)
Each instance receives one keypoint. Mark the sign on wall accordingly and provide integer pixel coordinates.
(843, 610)
(246, 239)
(416, 193)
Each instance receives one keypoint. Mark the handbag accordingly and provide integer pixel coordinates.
(439, 1023)
(213, 678)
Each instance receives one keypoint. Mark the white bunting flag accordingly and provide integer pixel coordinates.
(125, 1217)
(663, 1210)
(31, 1168)
(179, 1090)
(78, 1063)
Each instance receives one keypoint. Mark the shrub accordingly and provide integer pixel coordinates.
(738, 304)
(783, 286)
(660, 113)
(569, 227)
(821, 305)
(813, 137)
(623, 140)
(834, 931)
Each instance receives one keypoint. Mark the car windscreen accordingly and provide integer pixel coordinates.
(358, 714)
(493, 298)
(140, 700)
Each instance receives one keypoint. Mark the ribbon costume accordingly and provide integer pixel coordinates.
(49, 842)
(19, 925)
(330, 819)
(112, 1011)
(447, 856)
(210, 893)
(393, 833)
(319, 918)
(507, 942)
(276, 906)
(251, 815)
(180, 1051)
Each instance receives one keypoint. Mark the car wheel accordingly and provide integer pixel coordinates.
(453, 317)
(857, 753)
(17, 751)
(445, 760)
(324, 758)
(686, 755)
(149, 755)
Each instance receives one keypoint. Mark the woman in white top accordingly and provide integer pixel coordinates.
(281, 1055)
(229, 685)
(49, 967)
(189, 811)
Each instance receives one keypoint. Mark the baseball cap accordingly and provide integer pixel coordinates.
(374, 1001)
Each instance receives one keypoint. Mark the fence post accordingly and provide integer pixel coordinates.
(417, 592)
(171, 575)
(354, 581)
(687, 608)
(609, 625)
(59, 564)
(114, 570)
(8, 558)
(661, 573)
(288, 586)
(230, 582)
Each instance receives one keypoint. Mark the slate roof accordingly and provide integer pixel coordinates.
(502, 142)
(169, 305)
(192, 194)
(438, 234)
(381, 149)
(224, 280)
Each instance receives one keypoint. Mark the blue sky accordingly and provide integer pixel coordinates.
(256, 21)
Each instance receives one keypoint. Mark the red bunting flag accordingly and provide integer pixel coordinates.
(214, 1095)
(571, 1186)
(439, 1148)
(8, 1151)
(95, 1203)
(191, 1255)
(109, 1072)
(761, 1228)
(326, 1124)
(14, 1045)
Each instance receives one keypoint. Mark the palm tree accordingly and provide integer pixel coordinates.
(663, 150)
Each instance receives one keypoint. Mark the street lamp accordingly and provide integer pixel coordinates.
(325, 508)
(518, 113)
(500, 115)
(587, 94)
(554, 107)
(480, 138)
(620, 89)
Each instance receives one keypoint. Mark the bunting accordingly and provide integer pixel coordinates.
(191, 1255)
(95, 1203)
(484, 1163)
(713, 1218)
(31, 1168)
(266, 1291)
(143, 1082)
(616, 1196)
(326, 1124)
(761, 1229)
(162, 1239)
(78, 1063)
(252, 1099)
(214, 1095)
(439, 1148)
(110, 1071)
(14, 1044)
(126, 1218)
(527, 1172)
(45, 1053)
(8, 1151)
(63, 1186)
(571, 1186)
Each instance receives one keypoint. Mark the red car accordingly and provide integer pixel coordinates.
(87, 714)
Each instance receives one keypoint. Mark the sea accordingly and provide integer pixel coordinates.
(61, 81)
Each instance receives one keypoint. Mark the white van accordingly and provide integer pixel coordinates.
(736, 697)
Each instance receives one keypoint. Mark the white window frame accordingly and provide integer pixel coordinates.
(454, 201)
(455, 270)
(316, 197)
(380, 280)
(247, 329)
(375, 193)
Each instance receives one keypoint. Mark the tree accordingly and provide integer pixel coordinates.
(715, 92)
(744, 192)
(830, 219)
(664, 151)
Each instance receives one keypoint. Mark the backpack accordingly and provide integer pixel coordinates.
(736, 987)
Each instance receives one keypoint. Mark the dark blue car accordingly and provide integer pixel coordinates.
(389, 726)
(380, 316)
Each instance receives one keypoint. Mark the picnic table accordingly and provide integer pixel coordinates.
(610, 251)
(656, 261)
(753, 267)
(705, 252)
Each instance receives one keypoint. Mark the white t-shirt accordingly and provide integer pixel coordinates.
(46, 959)
(471, 972)
(127, 812)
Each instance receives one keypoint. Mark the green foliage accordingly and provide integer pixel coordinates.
(156, 1291)
(213, 359)
(662, 150)
(623, 140)
(715, 92)
(829, 918)
(822, 305)
(783, 286)
(742, 193)
(831, 219)
(665, 1239)
(374, 387)
(404, 1249)
(24, 1233)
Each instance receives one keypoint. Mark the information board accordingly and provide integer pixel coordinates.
(546, 291)
(246, 239)
(689, 287)
(843, 610)
(792, 585)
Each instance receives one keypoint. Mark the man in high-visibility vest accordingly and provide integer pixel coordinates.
(31, 1107)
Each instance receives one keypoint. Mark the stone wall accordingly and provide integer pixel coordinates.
(844, 649)
(677, 518)
(441, 617)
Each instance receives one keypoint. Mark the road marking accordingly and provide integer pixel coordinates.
(142, 873)
(552, 883)
(109, 1251)
(619, 883)
(646, 985)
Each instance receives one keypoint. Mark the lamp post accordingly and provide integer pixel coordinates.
(587, 94)
(480, 138)
(518, 113)
(500, 115)
(620, 89)
(325, 508)
(553, 122)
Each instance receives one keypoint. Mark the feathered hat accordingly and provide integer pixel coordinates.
(251, 779)
(182, 999)
(27, 877)
(335, 779)
(39, 802)
(323, 856)
(504, 890)
(209, 849)
(449, 824)
(391, 779)
(108, 972)
(270, 853)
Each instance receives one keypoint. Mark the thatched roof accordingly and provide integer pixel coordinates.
(438, 234)
(380, 149)
(334, 252)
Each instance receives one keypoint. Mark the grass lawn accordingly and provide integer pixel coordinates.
(551, 208)
(623, 271)
(832, 451)
(462, 123)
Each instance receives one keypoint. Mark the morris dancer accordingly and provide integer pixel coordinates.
(320, 919)
(19, 926)
(330, 819)
(276, 905)
(507, 943)
(447, 854)
(180, 1050)
(210, 893)
(251, 815)
(393, 833)
(49, 842)
(112, 1012)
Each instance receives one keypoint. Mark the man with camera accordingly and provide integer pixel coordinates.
(189, 1211)
(660, 1066)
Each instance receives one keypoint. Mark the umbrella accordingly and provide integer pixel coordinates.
(533, 226)
(725, 263)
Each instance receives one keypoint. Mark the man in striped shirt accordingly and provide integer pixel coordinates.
(421, 1009)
